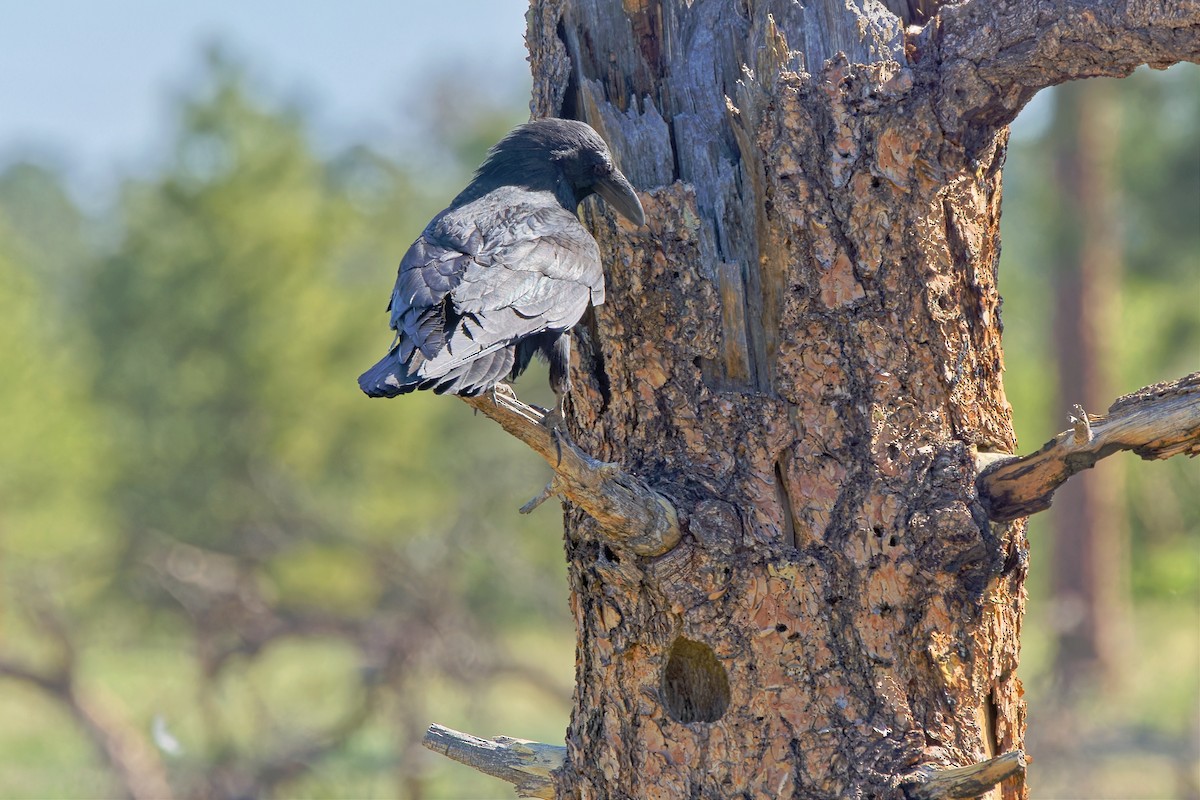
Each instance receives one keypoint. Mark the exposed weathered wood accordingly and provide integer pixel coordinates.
(631, 515)
(1156, 422)
(525, 764)
(961, 783)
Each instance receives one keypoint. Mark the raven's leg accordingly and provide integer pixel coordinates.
(559, 356)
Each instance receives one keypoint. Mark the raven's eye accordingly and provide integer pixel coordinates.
(601, 169)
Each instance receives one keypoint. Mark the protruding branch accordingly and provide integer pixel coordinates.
(931, 783)
(994, 56)
(630, 513)
(552, 488)
(1159, 421)
(527, 765)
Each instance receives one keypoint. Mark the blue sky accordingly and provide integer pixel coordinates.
(86, 85)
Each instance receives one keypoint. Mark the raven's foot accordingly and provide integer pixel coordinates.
(502, 390)
(558, 435)
(553, 419)
(556, 420)
(557, 416)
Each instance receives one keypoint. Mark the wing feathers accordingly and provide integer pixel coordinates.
(463, 299)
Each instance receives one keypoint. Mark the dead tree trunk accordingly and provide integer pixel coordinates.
(803, 348)
(799, 360)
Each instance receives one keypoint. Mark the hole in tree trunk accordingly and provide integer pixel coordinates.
(695, 685)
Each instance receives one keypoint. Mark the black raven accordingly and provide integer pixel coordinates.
(507, 270)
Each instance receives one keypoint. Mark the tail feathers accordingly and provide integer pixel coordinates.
(467, 377)
(387, 378)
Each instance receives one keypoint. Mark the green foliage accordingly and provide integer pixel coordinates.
(233, 537)
(51, 470)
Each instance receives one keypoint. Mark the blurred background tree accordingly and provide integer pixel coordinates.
(224, 571)
(1101, 281)
(257, 568)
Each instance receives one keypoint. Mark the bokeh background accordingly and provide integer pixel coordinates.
(226, 574)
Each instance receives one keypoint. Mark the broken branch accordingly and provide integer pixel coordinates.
(932, 783)
(994, 56)
(1156, 422)
(525, 764)
(630, 513)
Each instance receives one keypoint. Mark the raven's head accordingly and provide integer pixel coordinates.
(563, 154)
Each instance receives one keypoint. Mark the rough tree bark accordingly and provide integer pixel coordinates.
(800, 352)
(802, 348)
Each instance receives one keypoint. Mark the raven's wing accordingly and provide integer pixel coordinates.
(485, 275)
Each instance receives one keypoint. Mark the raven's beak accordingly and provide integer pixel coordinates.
(618, 193)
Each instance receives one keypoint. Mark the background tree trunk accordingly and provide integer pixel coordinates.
(802, 350)
(1090, 571)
